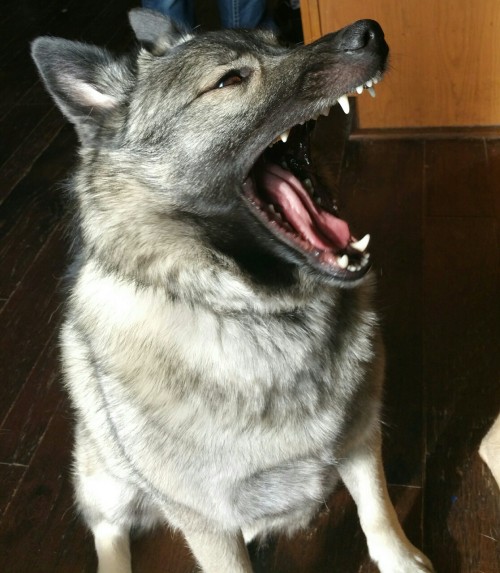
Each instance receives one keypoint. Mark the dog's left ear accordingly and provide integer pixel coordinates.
(87, 83)
(156, 32)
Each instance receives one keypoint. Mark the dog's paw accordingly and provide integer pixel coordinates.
(412, 563)
(401, 559)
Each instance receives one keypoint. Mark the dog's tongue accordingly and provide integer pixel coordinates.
(321, 229)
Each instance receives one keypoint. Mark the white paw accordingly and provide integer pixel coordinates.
(415, 563)
(401, 559)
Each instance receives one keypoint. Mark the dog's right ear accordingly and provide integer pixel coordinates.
(86, 82)
(156, 32)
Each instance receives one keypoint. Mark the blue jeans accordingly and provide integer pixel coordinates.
(233, 13)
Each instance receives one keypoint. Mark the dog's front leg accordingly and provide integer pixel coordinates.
(363, 474)
(113, 548)
(219, 552)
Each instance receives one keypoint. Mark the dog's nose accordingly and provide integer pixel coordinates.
(360, 35)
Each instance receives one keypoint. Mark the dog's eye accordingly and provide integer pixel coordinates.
(230, 79)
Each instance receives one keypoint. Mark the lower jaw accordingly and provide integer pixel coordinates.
(346, 266)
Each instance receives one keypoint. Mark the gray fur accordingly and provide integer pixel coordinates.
(212, 392)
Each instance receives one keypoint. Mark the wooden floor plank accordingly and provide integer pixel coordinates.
(10, 477)
(381, 194)
(40, 517)
(20, 160)
(38, 400)
(493, 148)
(33, 210)
(469, 193)
(17, 126)
(461, 368)
(29, 319)
(151, 551)
(47, 172)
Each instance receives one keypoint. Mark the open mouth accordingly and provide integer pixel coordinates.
(288, 197)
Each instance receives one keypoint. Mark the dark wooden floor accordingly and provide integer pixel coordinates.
(432, 207)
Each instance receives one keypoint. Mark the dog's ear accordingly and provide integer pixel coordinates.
(156, 32)
(86, 82)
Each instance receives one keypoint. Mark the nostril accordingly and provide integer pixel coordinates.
(360, 34)
(368, 36)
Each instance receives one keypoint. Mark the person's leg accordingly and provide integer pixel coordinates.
(244, 14)
(182, 11)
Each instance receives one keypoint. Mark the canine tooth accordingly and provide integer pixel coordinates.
(343, 261)
(359, 89)
(361, 244)
(344, 103)
(371, 91)
(284, 135)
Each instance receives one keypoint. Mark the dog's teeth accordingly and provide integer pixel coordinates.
(369, 83)
(308, 184)
(284, 136)
(371, 91)
(359, 89)
(361, 244)
(325, 111)
(344, 103)
(375, 80)
(343, 261)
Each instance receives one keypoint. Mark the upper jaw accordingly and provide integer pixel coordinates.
(342, 101)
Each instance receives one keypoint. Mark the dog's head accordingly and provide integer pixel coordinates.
(214, 125)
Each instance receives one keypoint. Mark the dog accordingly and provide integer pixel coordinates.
(219, 346)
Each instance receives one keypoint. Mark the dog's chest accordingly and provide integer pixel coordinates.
(211, 404)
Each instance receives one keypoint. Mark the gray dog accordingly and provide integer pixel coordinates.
(219, 346)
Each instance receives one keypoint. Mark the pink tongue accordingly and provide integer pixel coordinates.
(315, 225)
